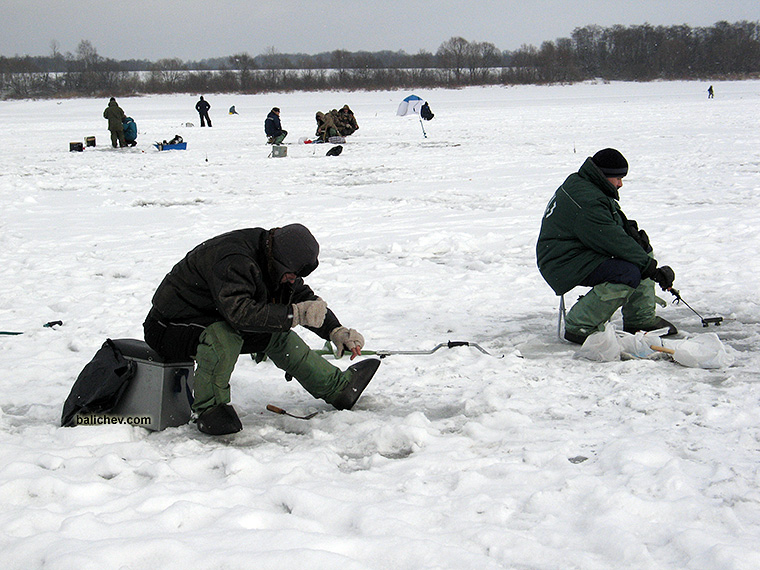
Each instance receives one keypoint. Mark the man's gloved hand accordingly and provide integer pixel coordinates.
(309, 313)
(643, 240)
(347, 339)
(664, 276)
(632, 229)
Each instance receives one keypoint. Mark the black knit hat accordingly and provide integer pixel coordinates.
(611, 163)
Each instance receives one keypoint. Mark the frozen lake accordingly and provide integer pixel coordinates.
(454, 460)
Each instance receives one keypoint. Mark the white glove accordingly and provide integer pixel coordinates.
(346, 339)
(309, 313)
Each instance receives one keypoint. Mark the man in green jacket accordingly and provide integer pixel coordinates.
(587, 240)
(115, 115)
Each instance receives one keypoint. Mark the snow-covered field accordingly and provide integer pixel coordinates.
(454, 460)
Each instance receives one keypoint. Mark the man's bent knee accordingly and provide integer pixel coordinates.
(219, 346)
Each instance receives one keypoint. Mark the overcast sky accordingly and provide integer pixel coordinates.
(198, 29)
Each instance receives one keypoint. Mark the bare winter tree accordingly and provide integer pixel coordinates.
(481, 58)
(245, 64)
(452, 55)
(167, 74)
(276, 65)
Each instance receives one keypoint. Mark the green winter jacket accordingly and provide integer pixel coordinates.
(582, 227)
(114, 114)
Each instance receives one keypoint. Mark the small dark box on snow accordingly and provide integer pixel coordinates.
(127, 382)
(159, 395)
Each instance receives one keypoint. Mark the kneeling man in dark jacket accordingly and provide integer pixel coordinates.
(273, 127)
(241, 293)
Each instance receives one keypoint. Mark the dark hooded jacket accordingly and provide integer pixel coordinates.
(272, 125)
(582, 227)
(202, 106)
(235, 277)
(115, 116)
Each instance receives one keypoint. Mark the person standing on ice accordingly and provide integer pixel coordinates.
(273, 127)
(241, 293)
(202, 106)
(115, 116)
(586, 240)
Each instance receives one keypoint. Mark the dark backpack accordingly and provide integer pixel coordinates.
(335, 151)
(426, 113)
(99, 385)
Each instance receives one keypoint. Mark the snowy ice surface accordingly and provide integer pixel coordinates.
(454, 460)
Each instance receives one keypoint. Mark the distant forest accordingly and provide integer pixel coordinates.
(623, 53)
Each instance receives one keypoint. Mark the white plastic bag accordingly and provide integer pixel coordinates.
(702, 351)
(638, 345)
(602, 346)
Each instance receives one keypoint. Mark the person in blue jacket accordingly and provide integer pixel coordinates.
(130, 131)
(273, 127)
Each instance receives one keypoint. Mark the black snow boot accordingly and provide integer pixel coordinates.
(575, 338)
(360, 375)
(659, 323)
(221, 419)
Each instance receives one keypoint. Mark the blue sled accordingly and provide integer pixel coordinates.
(178, 146)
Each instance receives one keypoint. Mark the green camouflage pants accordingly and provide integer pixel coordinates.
(594, 309)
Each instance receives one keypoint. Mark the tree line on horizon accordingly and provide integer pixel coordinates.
(624, 53)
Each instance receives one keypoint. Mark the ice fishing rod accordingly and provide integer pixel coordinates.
(49, 325)
(329, 351)
(705, 321)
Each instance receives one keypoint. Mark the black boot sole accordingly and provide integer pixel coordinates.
(575, 338)
(361, 374)
(660, 324)
(221, 419)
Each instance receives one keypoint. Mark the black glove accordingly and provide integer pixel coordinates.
(649, 271)
(632, 229)
(664, 276)
(643, 240)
